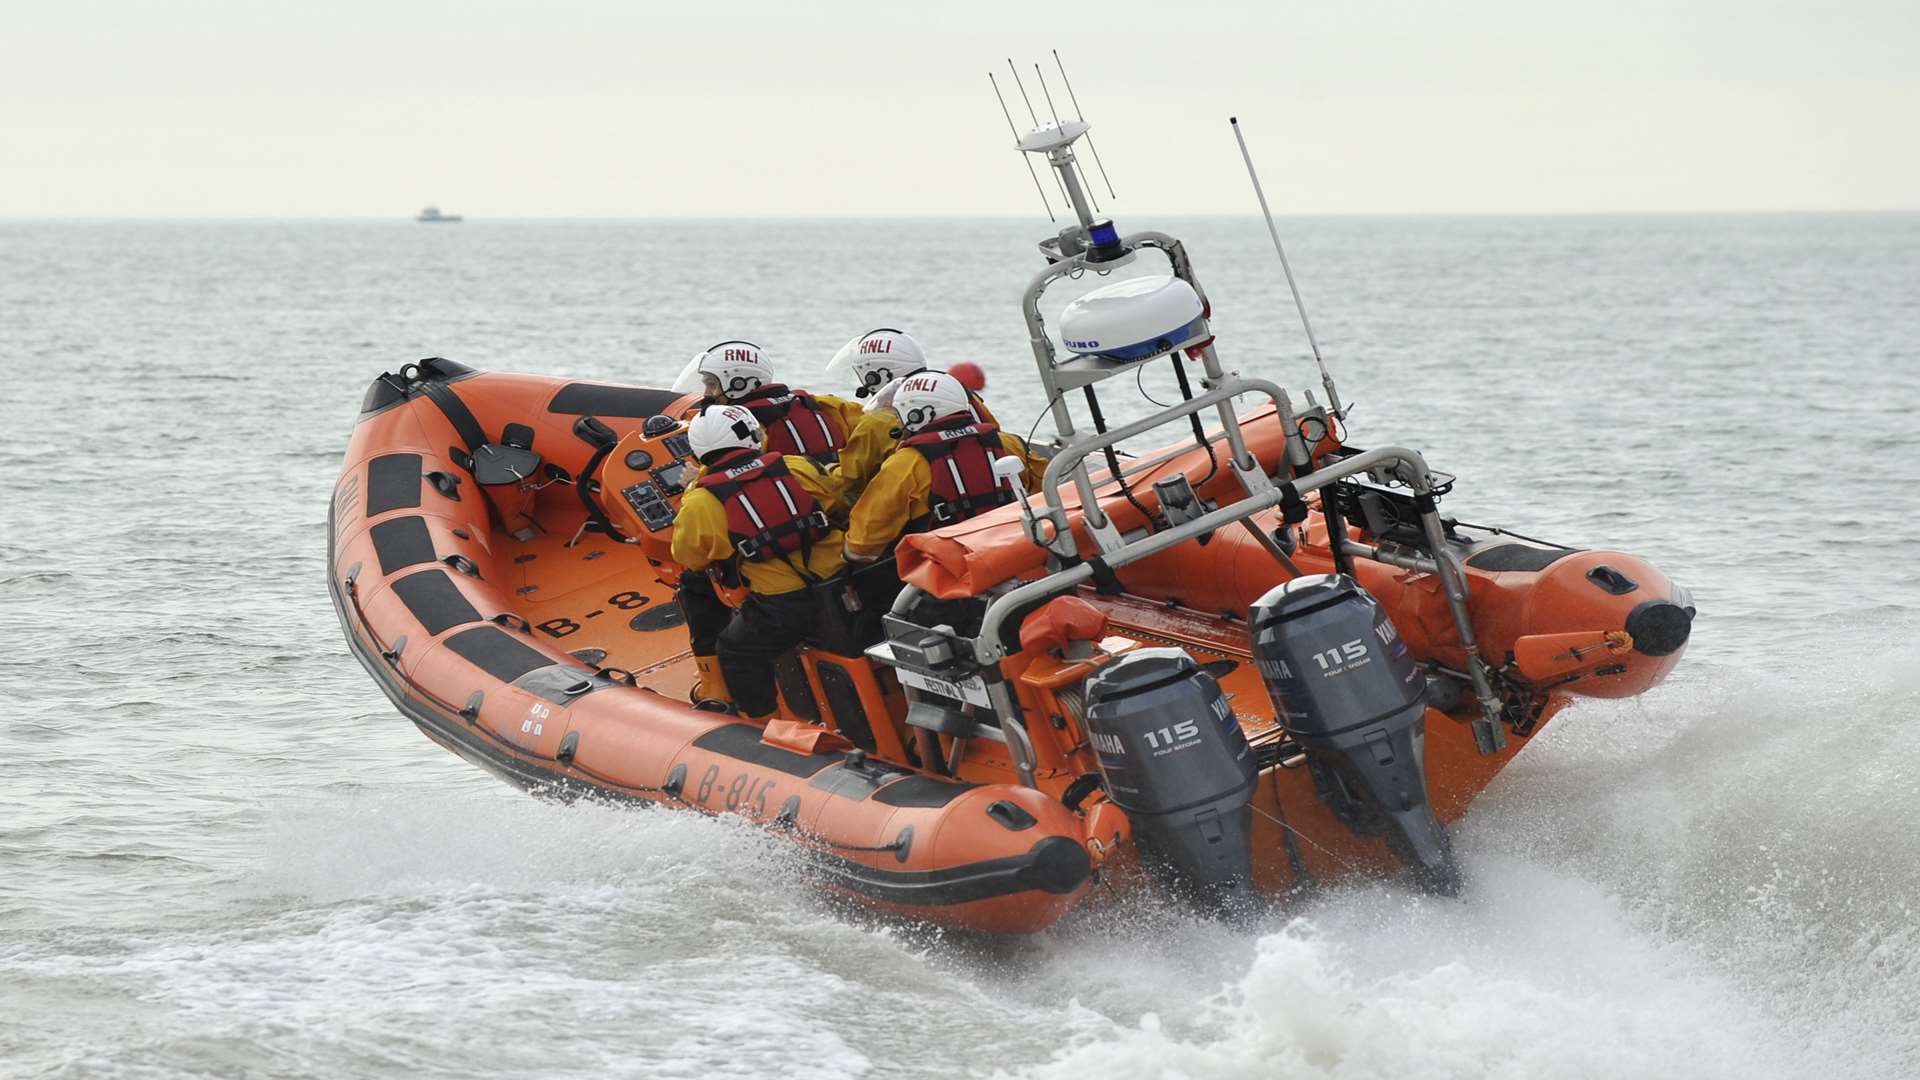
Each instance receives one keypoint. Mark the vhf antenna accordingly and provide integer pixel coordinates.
(1056, 141)
(1326, 380)
(1052, 108)
(1016, 142)
(1079, 115)
(1022, 87)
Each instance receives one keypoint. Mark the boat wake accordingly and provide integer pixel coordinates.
(1715, 878)
(1718, 878)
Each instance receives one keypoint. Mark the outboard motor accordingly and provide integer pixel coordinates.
(1347, 689)
(1174, 758)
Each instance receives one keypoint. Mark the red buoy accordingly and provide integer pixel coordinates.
(970, 375)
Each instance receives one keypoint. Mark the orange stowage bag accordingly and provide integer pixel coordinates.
(967, 558)
(1062, 620)
(802, 738)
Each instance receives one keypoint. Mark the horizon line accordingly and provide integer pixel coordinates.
(467, 216)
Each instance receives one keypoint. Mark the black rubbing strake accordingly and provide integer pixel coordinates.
(435, 600)
(596, 400)
(393, 482)
(1055, 864)
(498, 653)
(401, 543)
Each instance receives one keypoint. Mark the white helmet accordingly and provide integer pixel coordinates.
(739, 367)
(931, 395)
(878, 357)
(723, 427)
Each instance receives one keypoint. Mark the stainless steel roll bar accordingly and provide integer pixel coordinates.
(1058, 377)
(1070, 461)
(988, 649)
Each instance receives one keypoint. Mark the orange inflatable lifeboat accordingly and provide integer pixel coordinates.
(530, 627)
(1250, 660)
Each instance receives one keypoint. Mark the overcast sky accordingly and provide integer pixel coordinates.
(572, 108)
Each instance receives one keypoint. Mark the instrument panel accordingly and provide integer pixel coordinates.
(648, 474)
(650, 503)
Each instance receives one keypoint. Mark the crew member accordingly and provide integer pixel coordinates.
(877, 359)
(765, 517)
(795, 421)
(942, 470)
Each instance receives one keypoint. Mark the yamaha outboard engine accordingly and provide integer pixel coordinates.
(1347, 689)
(1174, 758)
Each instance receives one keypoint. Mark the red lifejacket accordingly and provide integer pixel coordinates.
(960, 453)
(794, 423)
(769, 514)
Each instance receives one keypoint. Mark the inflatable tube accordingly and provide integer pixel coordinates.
(1516, 591)
(966, 559)
(432, 606)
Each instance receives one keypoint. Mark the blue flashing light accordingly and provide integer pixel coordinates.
(1103, 234)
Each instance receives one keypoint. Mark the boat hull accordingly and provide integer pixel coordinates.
(554, 656)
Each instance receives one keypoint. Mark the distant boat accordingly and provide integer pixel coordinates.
(433, 214)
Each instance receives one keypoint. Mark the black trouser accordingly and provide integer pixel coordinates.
(706, 615)
(763, 628)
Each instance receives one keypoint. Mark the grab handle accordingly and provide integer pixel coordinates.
(619, 675)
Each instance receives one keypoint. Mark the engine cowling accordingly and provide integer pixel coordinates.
(1172, 755)
(1346, 688)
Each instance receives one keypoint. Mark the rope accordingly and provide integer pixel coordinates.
(1328, 852)
(1497, 531)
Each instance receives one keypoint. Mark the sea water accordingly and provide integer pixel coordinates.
(223, 853)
